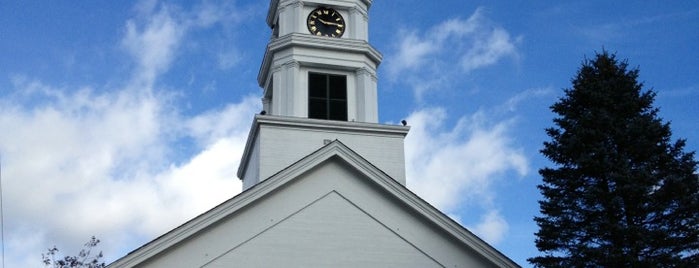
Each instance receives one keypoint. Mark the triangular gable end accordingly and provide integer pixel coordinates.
(269, 220)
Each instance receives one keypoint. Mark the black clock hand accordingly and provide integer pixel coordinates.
(328, 23)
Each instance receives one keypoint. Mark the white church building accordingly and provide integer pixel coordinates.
(324, 181)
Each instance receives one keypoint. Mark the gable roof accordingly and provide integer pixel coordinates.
(332, 151)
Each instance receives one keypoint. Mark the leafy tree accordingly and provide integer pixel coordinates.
(621, 194)
(84, 259)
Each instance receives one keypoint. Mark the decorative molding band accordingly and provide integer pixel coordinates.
(332, 125)
(366, 71)
(292, 64)
(274, 6)
(363, 12)
(318, 42)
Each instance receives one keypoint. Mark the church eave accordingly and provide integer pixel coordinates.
(316, 42)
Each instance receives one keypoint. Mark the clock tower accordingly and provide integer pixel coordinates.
(319, 83)
(317, 44)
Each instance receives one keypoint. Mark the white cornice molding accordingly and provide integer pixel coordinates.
(332, 125)
(364, 71)
(292, 64)
(272, 13)
(315, 42)
(274, 7)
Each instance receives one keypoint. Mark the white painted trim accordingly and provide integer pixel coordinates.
(317, 42)
(274, 6)
(354, 160)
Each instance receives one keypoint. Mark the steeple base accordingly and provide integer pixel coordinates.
(276, 142)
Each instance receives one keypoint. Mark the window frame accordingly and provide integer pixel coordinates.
(324, 102)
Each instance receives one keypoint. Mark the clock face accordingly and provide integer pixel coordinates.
(326, 22)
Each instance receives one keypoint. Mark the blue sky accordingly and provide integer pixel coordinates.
(123, 119)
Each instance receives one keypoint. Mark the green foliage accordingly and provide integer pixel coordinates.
(84, 259)
(622, 194)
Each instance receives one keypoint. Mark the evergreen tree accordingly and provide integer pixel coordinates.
(621, 194)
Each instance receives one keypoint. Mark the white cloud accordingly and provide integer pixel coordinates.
(78, 162)
(153, 44)
(511, 105)
(494, 46)
(412, 53)
(215, 125)
(456, 168)
(153, 38)
(450, 166)
(228, 59)
(492, 227)
(426, 60)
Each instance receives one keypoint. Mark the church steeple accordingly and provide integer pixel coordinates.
(319, 82)
(319, 63)
(321, 175)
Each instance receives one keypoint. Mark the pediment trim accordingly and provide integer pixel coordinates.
(335, 150)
